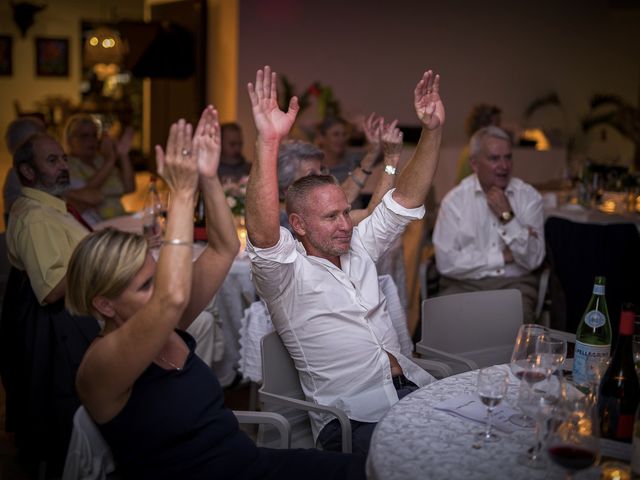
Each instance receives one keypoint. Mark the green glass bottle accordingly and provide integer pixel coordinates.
(593, 339)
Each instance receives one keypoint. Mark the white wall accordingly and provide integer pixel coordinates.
(504, 52)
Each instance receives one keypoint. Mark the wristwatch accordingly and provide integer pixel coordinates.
(506, 216)
(390, 169)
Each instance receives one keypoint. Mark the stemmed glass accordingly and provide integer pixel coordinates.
(492, 386)
(573, 442)
(538, 403)
(524, 364)
(551, 352)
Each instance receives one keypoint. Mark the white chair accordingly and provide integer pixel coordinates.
(89, 456)
(471, 330)
(281, 392)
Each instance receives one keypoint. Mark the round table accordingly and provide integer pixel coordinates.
(414, 440)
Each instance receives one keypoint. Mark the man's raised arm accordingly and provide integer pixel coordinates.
(416, 177)
(262, 202)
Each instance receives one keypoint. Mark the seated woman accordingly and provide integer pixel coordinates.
(101, 165)
(159, 407)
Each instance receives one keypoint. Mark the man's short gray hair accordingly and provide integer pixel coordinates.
(290, 155)
(477, 139)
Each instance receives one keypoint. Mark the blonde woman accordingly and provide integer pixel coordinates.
(158, 405)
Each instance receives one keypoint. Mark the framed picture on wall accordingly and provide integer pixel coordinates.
(6, 55)
(52, 57)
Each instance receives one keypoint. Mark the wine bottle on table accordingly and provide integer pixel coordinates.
(593, 338)
(619, 392)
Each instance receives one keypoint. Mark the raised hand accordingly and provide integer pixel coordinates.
(207, 144)
(373, 130)
(391, 139)
(123, 145)
(427, 102)
(178, 165)
(272, 123)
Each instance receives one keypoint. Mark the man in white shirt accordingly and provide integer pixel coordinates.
(322, 291)
(489, 233)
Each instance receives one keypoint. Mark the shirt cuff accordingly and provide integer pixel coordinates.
(282, 252)
(414, 213)
(511, 230)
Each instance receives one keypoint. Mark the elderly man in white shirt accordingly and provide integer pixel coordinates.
(322, 291)
(489, 233)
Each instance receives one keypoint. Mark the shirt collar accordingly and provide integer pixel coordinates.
(478, 188)
(45, 198)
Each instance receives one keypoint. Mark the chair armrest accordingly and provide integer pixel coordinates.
(270, 418)
(439, 354)
(434, 367)
(345, 424)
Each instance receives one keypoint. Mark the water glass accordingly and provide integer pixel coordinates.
(492, 387)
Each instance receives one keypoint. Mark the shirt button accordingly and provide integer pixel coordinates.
(504, 232)
(493, 244)
(388, 376)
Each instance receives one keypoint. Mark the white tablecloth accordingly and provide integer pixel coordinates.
(414, 441)
(580, 214)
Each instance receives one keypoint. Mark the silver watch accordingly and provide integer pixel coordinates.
(390, 169)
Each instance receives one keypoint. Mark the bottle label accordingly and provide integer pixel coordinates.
(588, 362)
(598, 289)
(595, 319)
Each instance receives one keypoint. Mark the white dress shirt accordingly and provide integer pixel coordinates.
(469, 238)
(334, 321)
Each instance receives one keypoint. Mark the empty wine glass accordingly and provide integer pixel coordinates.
(492, 386)
(551, 351)
(524, 366)
(538, 402)
(573, 442)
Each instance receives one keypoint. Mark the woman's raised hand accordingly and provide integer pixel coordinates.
(207, 143)
(178, 166)
(272, 123)
(427, 101)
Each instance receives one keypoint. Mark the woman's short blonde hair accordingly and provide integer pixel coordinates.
(102, 264)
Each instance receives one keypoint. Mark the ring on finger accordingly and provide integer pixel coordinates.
(185, 152)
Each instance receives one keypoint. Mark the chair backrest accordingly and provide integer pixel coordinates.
(580, 251)
(480, 326)
(89, 456)
(255, 324)
(280, 377)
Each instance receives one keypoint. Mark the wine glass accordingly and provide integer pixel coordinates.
(551, 351)
(492, 386)
(573, 442)
(538, 401)
(524, 366)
